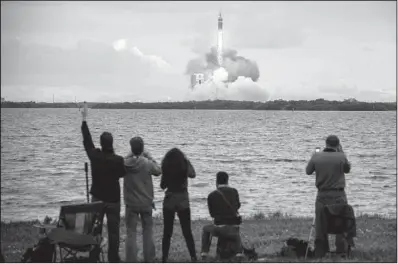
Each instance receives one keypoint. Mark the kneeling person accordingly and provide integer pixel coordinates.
(223, 204)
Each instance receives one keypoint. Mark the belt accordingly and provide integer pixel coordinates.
(335, 189)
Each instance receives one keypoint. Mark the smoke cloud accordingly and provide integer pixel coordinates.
(236, 80)
(235, 65)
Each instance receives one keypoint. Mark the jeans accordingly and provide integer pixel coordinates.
(227, 231)
(112, 212)
(168, 223)
(132, 218)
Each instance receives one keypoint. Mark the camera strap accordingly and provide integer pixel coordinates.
(228, 203)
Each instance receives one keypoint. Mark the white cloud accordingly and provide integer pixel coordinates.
(243, 89)
(124, 44)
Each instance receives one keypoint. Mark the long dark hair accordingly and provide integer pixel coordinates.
(174, 164)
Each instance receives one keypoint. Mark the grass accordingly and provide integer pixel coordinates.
(376, 238)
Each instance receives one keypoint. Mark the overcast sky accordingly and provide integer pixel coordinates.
(127, 51)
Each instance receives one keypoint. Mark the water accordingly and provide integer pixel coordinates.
(265, 153)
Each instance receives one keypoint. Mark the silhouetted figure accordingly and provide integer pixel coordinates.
(176, 169)
(223, 204)
(106, 170)
(330, 166)
(138, 198)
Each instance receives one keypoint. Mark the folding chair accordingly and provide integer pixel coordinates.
(338, 222)
(79, 230)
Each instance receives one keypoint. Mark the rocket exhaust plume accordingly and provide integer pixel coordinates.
(221, 72)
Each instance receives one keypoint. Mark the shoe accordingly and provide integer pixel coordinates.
(239, 255)
(203, 255)
(194, 259)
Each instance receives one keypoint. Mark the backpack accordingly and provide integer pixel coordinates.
(42, 252)
(296, 248)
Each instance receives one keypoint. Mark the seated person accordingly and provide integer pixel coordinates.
(223, 206)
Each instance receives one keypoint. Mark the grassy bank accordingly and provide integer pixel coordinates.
(376, 238)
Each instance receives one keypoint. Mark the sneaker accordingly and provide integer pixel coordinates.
(203, 255)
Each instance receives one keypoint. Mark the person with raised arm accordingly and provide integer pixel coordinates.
(106, 170)
(330, 167)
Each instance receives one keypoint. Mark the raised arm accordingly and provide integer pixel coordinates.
(346, 166)
(237, 199)
(209, 205)
(310, 167)
(163, 183)
(155, 168)
(191, 170)
(87, 139)
(121, 169)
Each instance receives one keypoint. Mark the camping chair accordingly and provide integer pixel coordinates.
(79, 230)
(339, 219)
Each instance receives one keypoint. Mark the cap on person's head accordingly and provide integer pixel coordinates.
(332, 141)
(222, 177)
(137, 145)
(106, 141)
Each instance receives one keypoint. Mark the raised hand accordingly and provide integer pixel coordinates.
(147, 155)
(85, 111)
(340, 148)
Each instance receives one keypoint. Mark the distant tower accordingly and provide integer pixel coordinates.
(220, 41)
(197, 79)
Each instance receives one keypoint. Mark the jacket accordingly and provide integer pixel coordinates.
(222, 213)
(106, 170)
(335, 213)
(330, 168)
(138, 185)
(178, 183)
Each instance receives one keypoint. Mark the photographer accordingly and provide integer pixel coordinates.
(330, 166)
(138, 198)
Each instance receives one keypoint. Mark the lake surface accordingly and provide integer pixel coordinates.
(265, 153)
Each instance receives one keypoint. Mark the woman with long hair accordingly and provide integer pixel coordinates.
(176, 169)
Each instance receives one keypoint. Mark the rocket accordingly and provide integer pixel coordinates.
(219, 41)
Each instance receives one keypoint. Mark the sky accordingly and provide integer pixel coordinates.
(113, 51)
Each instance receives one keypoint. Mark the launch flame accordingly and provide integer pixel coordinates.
(224, 74)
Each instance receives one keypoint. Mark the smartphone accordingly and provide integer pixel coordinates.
(317, 149)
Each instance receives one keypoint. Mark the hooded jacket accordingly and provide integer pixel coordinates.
(138, 185)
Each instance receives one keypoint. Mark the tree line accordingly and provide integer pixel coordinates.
(301, 105)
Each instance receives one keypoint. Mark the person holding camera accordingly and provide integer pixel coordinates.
(330, 167)
(176, 169)
(106, 170)
(138, 198)
(223, 204)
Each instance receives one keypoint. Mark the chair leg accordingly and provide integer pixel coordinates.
(54, 260)
(60, 255)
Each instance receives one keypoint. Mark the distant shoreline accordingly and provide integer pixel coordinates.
(278, 105)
